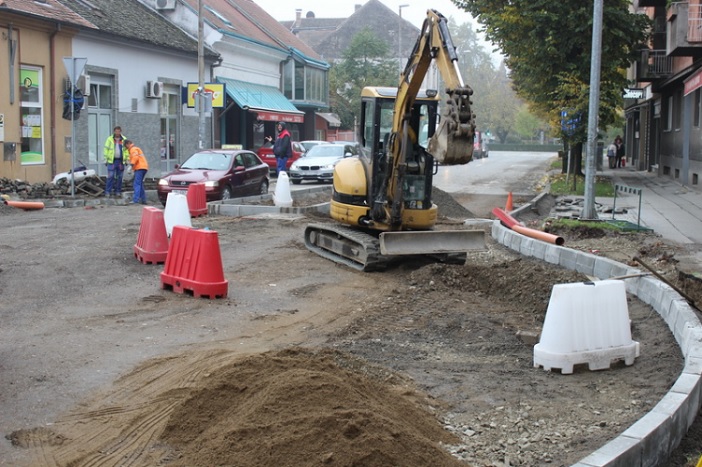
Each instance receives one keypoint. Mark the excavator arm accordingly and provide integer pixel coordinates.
(452, 143)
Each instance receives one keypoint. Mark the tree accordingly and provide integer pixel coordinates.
(494, 101)
(548, 45)
(366, 62)
(527, 125)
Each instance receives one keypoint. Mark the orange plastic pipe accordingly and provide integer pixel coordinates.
(26, 205)
(505, 218)
(517, 226)
(539, 235)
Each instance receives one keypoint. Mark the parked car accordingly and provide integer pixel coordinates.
(318, 163)
(310, 143)
(265, 152)
(226, 174)
(480, 146)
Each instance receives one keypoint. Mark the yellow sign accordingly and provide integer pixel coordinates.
(215, 90)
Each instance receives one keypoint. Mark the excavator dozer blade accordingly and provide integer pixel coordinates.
(431, 242)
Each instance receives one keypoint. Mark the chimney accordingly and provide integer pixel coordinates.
(298, 15)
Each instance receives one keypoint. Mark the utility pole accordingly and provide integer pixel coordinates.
(593, 112)
(201, 78)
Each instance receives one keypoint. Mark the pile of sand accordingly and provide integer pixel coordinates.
(299, 407)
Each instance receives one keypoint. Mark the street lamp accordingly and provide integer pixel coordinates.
(399, 34)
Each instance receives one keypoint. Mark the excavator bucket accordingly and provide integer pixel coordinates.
(430, 242)
(452, 144)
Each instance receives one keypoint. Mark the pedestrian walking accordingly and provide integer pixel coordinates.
(612, 154)
(140, 166)
(113, 154)
(621, 153)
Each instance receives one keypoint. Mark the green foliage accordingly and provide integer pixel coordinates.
(570, 224)
(562, 184)
(494, 101)
(366, 62)
(527, 125)
(548, 48)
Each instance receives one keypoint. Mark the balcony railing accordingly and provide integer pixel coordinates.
(694, 23)
(654, 64)
(684, 30)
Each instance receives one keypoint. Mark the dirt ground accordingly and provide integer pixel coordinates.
(304, 362)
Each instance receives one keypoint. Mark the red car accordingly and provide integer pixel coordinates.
(265, 152)
(226, 173)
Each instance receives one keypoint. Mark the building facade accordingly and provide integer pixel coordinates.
(663, 124)
(139, 61)
(34, 38)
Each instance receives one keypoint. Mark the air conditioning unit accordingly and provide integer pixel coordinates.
(154, 89)
(84, 84)
(165, 4)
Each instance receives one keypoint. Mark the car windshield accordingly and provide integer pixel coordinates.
(326, 150)
(207, 161)
(310, 144)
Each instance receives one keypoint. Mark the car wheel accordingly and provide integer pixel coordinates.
(226, 193)
(296, 182)
(264, 188)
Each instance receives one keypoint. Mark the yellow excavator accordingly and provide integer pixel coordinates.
(382, 199)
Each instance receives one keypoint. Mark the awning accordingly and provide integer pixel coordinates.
(267, 102)
(331, 119)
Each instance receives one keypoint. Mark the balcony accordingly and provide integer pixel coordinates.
(653, 3)
(654, 65)
(684, 30)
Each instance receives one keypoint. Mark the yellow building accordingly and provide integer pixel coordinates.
(34, 39)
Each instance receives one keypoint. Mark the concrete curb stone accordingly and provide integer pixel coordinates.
(650, 440)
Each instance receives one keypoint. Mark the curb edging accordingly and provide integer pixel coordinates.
(651, 439)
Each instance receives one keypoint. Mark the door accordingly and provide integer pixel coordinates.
(169, 108)
(100, 120)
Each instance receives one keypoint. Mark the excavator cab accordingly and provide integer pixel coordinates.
(417, 167)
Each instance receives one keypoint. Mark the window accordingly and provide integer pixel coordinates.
(315, 86)
(304, 83)
(99, 119)
(299, 82)
(288, 79)
(250, 159)
(31, 116)
(678, 110)
(696, 109)
(169, 129)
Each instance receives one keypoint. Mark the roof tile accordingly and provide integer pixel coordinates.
(47, 9)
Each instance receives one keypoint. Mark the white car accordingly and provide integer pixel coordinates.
(317, 164)
(309, 144)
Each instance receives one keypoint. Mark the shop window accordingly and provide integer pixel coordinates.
(32, 144)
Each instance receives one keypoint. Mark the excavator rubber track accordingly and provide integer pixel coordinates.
(347, 246)
(363, 251)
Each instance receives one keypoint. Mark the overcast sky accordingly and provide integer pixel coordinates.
(415, 12)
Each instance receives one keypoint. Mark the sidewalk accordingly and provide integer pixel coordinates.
(672, 210)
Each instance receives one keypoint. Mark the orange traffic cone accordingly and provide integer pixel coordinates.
(509, 207)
